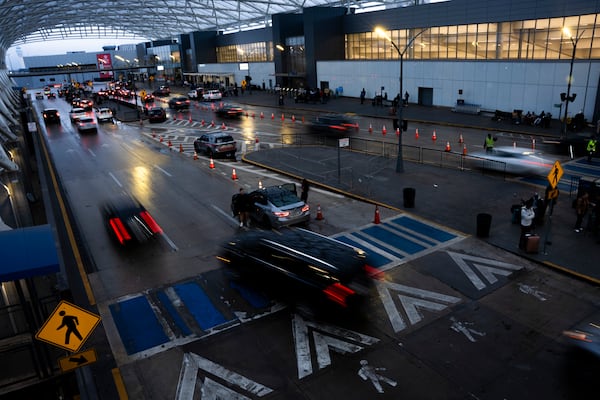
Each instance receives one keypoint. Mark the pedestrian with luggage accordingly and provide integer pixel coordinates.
(527, 216)
(581, 207)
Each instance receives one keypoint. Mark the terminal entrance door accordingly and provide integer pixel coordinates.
(425, 96)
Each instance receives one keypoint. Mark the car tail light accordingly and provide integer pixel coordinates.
(119, 229)
(338, 127)
(577, 335)
(150, 222)
(281, 214)
(305, 208)
(338, 293)
(373, 272)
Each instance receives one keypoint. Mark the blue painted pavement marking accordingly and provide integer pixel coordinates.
(402, 243)
(137, 325)
(256, 300)
(199, 305)
(164, 299)
(379, 245)
(424, 229)
(374, 259)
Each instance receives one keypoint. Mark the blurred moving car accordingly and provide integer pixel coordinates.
(157, 114)
(127, 221)
(162, 91)
(148, 98)
(212, 95)
(334, 124)
(39, 96)
(298, 261)
(51, 95)
(216, 144)
(104, 114)
(179, 103)
(512, 160)
(86, 104)
(195, 94)
(86, 124)
(76, 113)
(586, 335)
(51, 115)
(278, 206)
(229, 111)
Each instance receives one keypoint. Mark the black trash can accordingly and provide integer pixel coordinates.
(409, 197)
(484, 222)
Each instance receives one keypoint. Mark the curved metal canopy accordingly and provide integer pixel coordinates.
(27, 21)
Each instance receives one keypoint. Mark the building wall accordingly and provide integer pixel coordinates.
(260, 72)
(529, 86)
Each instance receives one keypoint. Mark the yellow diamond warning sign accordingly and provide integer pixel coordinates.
(555, 174)
(68, 326)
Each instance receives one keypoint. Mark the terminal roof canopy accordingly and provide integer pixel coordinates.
(27, 21)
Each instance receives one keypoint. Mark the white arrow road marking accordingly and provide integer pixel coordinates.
(419, 299)
(350, 342)
(189, 374)
(485, 267)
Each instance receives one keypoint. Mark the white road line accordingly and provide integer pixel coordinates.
(91, 152)
(162, 170)
(115, 179)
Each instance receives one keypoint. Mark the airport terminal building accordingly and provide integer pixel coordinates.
(491, 55)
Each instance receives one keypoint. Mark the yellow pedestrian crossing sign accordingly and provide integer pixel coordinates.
(555, 174)
(68, 326)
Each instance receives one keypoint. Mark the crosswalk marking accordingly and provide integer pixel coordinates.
(488, 268)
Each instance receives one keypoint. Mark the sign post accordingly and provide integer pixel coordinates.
(68, 327)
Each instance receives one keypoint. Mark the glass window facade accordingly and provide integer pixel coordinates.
(539, 39)
(249, 52)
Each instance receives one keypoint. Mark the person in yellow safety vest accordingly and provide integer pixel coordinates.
(488, 144)
(591, 149)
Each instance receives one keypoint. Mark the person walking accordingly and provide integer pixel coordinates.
(581, 207)
(305, 188)
(591, 149)
(527, 216)
(406, 95)
(240, 205)
(363, 94)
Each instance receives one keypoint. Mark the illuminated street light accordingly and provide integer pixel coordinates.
(381, 33)
(567, 97)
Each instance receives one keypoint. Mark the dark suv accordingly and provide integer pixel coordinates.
(157, 114)
(302, 263)
(51, 115)
(216, 144)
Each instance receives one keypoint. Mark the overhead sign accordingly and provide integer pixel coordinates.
(77, 360)
(555, 174)
(68, 326)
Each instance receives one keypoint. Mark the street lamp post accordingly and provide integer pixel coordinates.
(381, 33)
(567, 98)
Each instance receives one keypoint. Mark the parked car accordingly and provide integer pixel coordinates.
(51, 115)
(128, 222)
(157, 114)
(336, 124)
(512, 160)
(104, 114)
(77, 113)
(86, 124)
(216, 144)
(212, 95)
(195, 94)
(179, 103)
(302, 266)
(162, 91)
(277, 206)
(229, 111)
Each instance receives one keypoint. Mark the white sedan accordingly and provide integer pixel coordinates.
(512, 160)
(77, 113)
(86, 124)
(104, 114)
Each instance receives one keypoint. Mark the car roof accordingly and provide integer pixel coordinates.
(50, 109)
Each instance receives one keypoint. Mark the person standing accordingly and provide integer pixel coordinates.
(305, 188)
(363, 94)
(406, 95)
(581, 207)
(240, 204)
(591, 149)
(527, 216)
(488, 143)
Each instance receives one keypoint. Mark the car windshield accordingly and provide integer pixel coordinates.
(223, 139)
(281, 197)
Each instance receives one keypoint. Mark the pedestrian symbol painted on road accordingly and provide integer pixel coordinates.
(463, 327)
(68, 326)
(373, 374)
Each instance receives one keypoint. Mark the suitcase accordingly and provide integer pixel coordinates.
(532, 243)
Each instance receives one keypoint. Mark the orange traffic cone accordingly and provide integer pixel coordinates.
(180, 148)
(532, 144)
(303, 119)
(293, 118)
(515, 144)
(233, 175)
(282, 117)
(174, 117)
(262, 115)
(319, 213)
(272, 115)
(153, 135)
(434, 136)
(161, 139)
(383, 131)
(377, 219)
(223, 126)
(253, 115)
(460, 139)
(370, 128)
(169, 143)
(464, 153)
(417, 133)
(447, 149)
(195, 156)
(212, 164)
(212, 124)
(246, 114)
(190, 119)
(203, 122)
(397, 131)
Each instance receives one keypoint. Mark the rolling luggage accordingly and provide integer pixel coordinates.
(532, 243)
